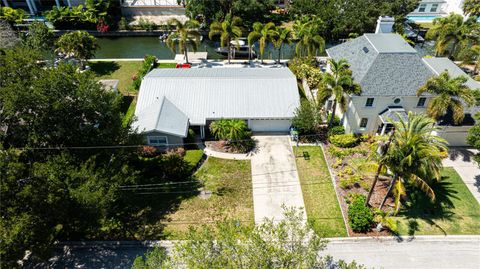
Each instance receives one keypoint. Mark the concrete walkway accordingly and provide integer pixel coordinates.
(230, 156)
(461, 160)
(274, 178)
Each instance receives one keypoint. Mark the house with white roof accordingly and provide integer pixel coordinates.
(390, 72)
(171, 101)
(428, 10)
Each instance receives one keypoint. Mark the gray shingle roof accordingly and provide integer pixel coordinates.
(382, 65)
(213, 93)
(438, 65)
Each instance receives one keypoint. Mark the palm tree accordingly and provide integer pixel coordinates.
(228, 30)
(414, 157)
(451, 31)
(229, 129)
(337, 83)
(186, 35)
(284, 35)
(449, 95)
(309, 39)
(264, 33)
(78, 44)
(471, 7)
(472, 56)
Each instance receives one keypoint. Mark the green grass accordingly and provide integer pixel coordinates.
(463, 216)
(130, 112)
(123, 71)
(193, 156)
(321, 203)
(231, 187)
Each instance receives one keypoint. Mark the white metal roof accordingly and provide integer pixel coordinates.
(213, 93)
(163, 116)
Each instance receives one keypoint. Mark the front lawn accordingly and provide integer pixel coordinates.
(124, 71)
(455, 212)
(321, 203)
(463, 217)
(227, 186)
(193, 156)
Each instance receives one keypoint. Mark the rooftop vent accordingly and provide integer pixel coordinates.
(365, 49)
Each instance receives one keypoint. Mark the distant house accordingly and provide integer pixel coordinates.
(172, 100)
(390, 72)
(428, 10)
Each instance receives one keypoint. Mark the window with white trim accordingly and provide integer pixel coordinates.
(157, 140)
(422, 7)
(421, 102)
(369, 102)
(434, 8)
(363, 123)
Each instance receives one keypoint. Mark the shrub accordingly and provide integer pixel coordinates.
(146, 25)
(360, 217)
(339, 153)
(190, 140)
(123, 24)
(307, 118)
(336, 120)
(11, 15)
(336, 130)
(346, 183)
(149, 62)
(344, 141)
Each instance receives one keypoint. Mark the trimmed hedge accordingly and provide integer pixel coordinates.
(336, 130)
(360, 217)
(344, 140)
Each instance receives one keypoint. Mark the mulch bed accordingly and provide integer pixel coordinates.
(377, 196)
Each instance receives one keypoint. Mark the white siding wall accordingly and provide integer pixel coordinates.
(357, 110)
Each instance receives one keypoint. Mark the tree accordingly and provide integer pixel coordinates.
(471, 7)
(264, 33)
(290, 243)
(307, 118)
(228, 30)
(337, 83)
(414, 156)
(309, 40)
(231, 129)
(450, 92)
(473, 137)
(8, 37)
(471, 55)
(39, 37)
(186, 35)
(78, 44)
(450, 32)
(12, 15)
(283, 35)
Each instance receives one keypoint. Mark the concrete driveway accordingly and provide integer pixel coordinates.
(274, 178)
(461, 160)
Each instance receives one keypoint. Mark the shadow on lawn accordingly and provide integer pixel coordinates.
(421, 207)
(104, 68)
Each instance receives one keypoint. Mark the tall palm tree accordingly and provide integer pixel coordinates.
(263, 33)
(337, 83)
(309, 39)
(228, 30)
(471, 55)
(449, 32)
(414, 157)
(186, 35)
(449, 95)
(284, 35)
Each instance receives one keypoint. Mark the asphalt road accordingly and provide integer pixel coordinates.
(421, 252)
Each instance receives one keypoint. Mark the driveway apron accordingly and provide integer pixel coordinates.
(274, 178)
(461, 159)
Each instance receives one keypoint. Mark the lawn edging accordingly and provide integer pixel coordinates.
(335, 188)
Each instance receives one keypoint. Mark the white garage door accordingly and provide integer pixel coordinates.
(269, 125)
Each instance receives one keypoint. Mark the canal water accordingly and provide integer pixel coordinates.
(137, 47)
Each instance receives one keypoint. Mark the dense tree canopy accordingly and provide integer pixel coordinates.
(353, 16)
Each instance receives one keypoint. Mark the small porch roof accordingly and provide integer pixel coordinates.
(393, 113)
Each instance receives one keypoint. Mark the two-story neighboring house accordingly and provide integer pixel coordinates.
(428, 10)
(390, 72)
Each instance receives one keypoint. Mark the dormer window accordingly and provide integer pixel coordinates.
(421, 102)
